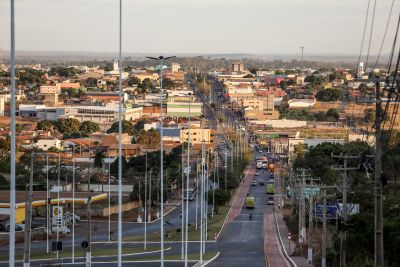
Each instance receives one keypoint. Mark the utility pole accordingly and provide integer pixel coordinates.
(378, 218)
(28, 216)
(344, 169)
(89, 232)
(324, 211)
(302, 59)
(226, 170)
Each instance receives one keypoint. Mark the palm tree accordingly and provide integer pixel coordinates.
(98, 164)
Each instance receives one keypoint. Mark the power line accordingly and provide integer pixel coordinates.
(370, 34)
(384, 35)
(363, 36)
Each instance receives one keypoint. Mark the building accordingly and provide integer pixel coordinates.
(360, 69)
(102, 115)
(180, 108)
(301, 103)
(106, 96)
(50, 89)
(45, 144)
(237, 67)
(2, 106)
(175, 67)
(197, 135)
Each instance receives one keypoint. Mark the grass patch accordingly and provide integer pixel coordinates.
(214, 226)
(80, 252)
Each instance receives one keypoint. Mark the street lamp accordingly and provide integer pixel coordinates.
(161, 59)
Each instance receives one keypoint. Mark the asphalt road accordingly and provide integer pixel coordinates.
(242, 241)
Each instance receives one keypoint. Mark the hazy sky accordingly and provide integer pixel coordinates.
(189, 26)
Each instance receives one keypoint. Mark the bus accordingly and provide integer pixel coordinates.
(270, 189)
(250, 202)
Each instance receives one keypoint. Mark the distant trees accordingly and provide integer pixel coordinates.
(168, 83)
(89, 127)
(90, 82)
(363, 89)
(369, 116)
(149, 139)
(331, 115)
(66, 72)
(67, 126)
(45, 125)
(127, 127)
(329, 95)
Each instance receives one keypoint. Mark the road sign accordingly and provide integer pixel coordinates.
(308, 191)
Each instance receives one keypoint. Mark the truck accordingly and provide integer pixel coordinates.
(259, 164)
(271, 166)
(250, 202)
(270, 188)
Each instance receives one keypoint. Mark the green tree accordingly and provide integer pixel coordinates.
(5, 145)
(147, 84)
(168, 83)
(45, 125)
(332, 115)
(67, 126)
(329, 95)
(134, 81)
(127, 127)
(89, 127)
(99, 159)
(363, 89)
(150, 139)
(369, 116)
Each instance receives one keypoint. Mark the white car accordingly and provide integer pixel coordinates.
(254, 182)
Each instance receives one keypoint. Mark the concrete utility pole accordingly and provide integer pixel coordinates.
(28, 216)
(324, 211)
(379, 259)
(89, 232)
(302, 59)
(344, 169)
(226, 170)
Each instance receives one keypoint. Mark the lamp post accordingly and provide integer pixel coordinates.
(73, 205)
(187, 189)
(161, 59)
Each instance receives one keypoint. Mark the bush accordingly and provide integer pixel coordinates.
(221, 197)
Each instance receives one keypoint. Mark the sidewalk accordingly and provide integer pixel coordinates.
(272, 248)
(278, 197)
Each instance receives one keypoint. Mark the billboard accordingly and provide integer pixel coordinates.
(332, 211)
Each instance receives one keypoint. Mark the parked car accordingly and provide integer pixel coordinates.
(261, 182)
(71, 218)
(18, 227)
(254, 182)
(270, 201)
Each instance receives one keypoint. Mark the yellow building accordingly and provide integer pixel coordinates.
(197, 135)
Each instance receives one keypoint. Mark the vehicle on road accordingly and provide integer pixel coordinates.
(254, 182)
(270, 201)
(18, 227)
(250, 202)
(261, 182)
(271, 166)
(270, 188)
(259, 164)
(73, 218)
(189, 194)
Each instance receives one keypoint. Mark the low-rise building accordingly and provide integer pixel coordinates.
(180, 108)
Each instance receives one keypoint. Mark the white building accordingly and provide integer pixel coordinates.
(301, 103)
(45, 144)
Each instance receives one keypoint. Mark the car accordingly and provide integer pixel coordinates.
(70, 217)
(260, 151)
(18, 227)
(270, 201)
(271, 181)
(271, 176)
(257, 174)
(254, 182)
(261, 182)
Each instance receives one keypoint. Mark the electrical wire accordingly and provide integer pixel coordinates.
(370, 35)
(384, 35)
(363, 36)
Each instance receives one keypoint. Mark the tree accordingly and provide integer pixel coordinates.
(109, 67)
(329, 95)
(363, 89)
(369, 116)
(99, 159)
(67, 126)
(332, 115)
(134, 81)
(150, 139)
(168, 83)
(52, 149)
(127, 127)
(91, 82)
(147, 84)
(5, 145)
(45, 125)
(89, 127)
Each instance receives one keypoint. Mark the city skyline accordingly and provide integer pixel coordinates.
(252, 27)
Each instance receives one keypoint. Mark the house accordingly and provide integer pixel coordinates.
(45, 144)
